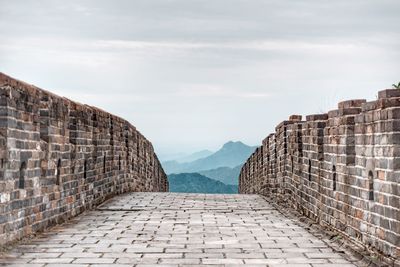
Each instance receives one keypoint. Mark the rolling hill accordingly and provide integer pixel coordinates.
(197, 183)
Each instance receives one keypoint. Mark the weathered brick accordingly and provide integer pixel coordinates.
(340, 168)
(70, 156)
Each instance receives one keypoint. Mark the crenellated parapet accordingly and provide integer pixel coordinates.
(342, 169)
(59, 158)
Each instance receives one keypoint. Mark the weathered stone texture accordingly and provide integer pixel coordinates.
(341, 169)
(169, 229)
(59, 158)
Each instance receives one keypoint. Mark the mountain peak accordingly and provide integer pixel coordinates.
(232, 154)
(233, 144)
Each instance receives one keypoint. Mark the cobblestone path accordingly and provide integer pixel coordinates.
(146, 229)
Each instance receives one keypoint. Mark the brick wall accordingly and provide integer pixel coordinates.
(59, 158)
(341, 169)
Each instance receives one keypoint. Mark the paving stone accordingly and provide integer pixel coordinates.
(52, 260)
(179, 261)
(177, 230)
(223, 261)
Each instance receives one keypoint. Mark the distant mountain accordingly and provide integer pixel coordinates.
(224, 174)
(171, 156)
(195, 156)
(197, 183)
(230, 155)
(184, 157)
(172, 166)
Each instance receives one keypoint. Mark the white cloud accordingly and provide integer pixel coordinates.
(93, 46)
(217, 91)
(190, 74)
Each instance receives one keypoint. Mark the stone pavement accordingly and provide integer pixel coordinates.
(168, 229)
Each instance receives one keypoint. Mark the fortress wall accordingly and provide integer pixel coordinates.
(294, 167)
(59, 158)
(341, 169)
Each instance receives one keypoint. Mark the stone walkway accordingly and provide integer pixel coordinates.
(167, 229)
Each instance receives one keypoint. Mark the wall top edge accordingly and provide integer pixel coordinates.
(6, 80)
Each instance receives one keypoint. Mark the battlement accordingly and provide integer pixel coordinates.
(341, 169)
(59, 158)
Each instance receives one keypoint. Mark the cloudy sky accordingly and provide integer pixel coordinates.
(194, 74)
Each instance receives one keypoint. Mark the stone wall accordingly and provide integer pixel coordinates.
(59, 158)
(342, 169)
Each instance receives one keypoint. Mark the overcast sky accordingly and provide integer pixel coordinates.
(191, 74)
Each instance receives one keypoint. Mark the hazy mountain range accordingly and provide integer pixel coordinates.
(182, 157)
(232, 154)
(226, 175)
(195, 156)
(208, 172)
